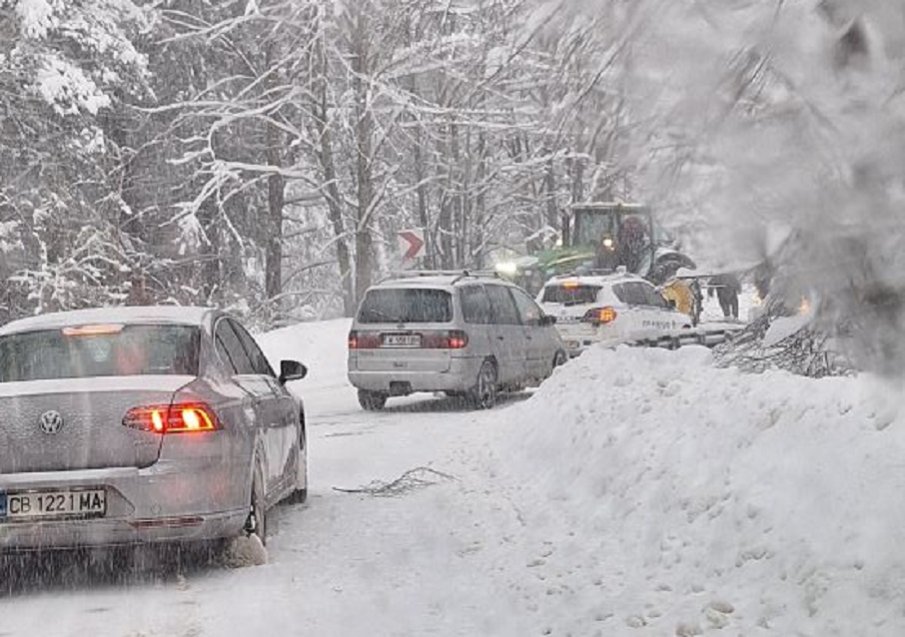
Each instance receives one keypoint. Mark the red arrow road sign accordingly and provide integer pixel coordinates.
(412, 244)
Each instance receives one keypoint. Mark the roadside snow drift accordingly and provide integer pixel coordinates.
(676, 498)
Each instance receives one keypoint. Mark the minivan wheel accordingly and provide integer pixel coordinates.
(371, 400)
(560, 359)
(484, 393)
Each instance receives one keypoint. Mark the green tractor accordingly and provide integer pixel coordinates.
(603, 237)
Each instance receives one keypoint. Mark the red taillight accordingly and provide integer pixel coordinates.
(177, 418)
(452, 339)
(364, 340)
(600, 315)
(458, 340)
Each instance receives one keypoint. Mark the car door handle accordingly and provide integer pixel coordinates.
(501, 338)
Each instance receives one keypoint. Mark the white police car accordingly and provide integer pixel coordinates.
(608, 308)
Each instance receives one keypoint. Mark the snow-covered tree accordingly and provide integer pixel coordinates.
(65, 68)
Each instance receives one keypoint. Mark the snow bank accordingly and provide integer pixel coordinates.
(676, 498)
(321, 345)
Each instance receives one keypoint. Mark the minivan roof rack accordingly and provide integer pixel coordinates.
(459, 274)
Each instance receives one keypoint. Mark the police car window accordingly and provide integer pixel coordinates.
(652, 297)
(630, 293)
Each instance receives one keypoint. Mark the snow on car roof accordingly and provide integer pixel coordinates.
(435, 280)
(185, 315)
(593, 279)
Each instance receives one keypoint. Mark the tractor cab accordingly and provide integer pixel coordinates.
(602, 237)
(613, 235)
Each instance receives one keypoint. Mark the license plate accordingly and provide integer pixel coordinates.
(50, 504)
(402, 340)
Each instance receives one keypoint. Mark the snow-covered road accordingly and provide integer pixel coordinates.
(428, 560)
(639, 492)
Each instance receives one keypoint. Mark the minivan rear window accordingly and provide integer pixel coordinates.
(104, 350)
(571, 294)
(406, 305)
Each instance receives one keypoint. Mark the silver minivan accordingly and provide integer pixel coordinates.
(463, 333)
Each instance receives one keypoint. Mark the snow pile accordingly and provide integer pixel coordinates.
(667, 496)
(321, 345)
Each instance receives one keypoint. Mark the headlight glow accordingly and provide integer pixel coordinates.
(507, 268)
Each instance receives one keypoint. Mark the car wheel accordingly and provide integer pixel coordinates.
(484, 393)
(371, 400)
(301, 473)
(560, 359)
(257, 515)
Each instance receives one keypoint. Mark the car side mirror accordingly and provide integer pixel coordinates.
(547, 320)
(292, 370)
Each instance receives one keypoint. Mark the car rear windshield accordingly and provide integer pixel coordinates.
(571, 294)
(409, 305)
(107, 350)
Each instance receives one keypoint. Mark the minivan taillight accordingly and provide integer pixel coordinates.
(452, 339)
(600, 315)
(458, 339)
(364, 340)
(178, 418)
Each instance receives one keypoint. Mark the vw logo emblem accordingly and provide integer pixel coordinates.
(51, 422)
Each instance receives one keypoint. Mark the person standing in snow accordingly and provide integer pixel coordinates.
(698, 302)
(727, 288)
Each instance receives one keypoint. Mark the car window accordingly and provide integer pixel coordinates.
(258, 360)
(406, 305)
(571, 294)
(231, 350)
(475, 305)
(128, 350)
(529, 312)
(652, 297)
(631, 293)
(504, 309)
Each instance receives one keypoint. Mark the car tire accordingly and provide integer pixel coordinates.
(300, 494)
(371, 400)
(484, 393)
(560, 359)
(257, 515)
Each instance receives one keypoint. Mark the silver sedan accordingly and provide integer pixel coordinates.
(135, 425)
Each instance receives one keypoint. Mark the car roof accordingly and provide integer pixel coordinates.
(174, 314)
(596, 279)
(438, 281)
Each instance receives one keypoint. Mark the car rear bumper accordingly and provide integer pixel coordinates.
(579, 337)
(173, 501)
(460, 376)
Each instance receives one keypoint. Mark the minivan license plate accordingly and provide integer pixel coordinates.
(402, 340)
(46, 504)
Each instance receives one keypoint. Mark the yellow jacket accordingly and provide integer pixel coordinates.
(680, 292)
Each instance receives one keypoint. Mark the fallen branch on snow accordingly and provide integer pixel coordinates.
(416, 478)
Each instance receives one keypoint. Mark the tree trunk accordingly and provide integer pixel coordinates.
(325, 157)
(552, 216)
(363, 160)
(273, 275)
(210, 252)
(421, 188)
